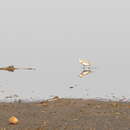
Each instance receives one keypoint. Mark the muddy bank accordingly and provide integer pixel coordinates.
(67, 114)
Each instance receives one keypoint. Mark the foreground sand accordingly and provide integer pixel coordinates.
(66, 114)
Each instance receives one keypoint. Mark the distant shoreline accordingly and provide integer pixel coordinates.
(39, 100)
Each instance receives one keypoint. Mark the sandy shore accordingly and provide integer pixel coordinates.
(66, 114)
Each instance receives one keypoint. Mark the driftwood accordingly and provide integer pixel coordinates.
(12, 68)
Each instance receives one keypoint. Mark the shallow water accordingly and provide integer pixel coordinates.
(57, 73)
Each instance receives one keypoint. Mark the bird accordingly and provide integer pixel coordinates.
(84, 62)
(87, 67)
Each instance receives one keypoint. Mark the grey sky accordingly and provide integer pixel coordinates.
(70, 23)
(52, 35)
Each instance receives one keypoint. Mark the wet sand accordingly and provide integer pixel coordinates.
(66, 114)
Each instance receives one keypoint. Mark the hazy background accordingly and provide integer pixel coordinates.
(51, 36)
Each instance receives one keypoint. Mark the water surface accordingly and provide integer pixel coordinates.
(57, 69)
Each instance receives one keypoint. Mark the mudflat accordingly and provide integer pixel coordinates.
(66, 114)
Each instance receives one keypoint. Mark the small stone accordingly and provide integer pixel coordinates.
(13, 120)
